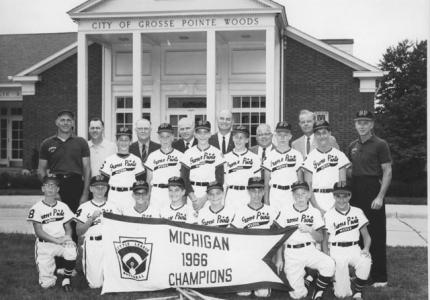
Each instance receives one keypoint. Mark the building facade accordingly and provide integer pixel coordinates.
(164, 59)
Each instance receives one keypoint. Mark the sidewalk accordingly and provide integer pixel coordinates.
(406, 224)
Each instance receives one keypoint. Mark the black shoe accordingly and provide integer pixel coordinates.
(67, 288)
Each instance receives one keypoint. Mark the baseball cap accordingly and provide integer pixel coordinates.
(203, 125)
(176, 181)
(165, 127)
(124, 131)
(240, 129)
(321, 125)
(140, 185)
(51, 177)
(66, 112)
(363, 115)
(283, 126)
(255, 182)
(214, 185)
(299, 185)
(98, 180)
(339, 188)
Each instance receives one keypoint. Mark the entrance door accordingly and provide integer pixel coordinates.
(181, 107)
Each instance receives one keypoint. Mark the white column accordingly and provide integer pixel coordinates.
(211, 76)
(107, 112)
(137, 78)
(158, 115)
(271, 115)
(82, 110)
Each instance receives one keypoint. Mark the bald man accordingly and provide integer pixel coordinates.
(186, 134)
(143, 146)
(223, 139)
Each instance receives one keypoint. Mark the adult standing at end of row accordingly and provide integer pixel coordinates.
(371, 177)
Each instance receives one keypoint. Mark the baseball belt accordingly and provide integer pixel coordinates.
(299, 245)
(120, 189)
(199, 183)
(161, 185)
(96, 238)
(237, 187)
(323, 190)
(344, 244)
(281, 187)
(42, 241)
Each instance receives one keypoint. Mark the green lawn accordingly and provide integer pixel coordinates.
(18, 276)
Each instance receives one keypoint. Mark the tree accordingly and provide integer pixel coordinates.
(401, 111)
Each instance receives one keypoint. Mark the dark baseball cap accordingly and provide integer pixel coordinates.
(321, 125)
(165, 127)
(240, 129)
(124, 131)
(98, 180)
(299, 185)
(140, 185)
(283, 126)
(176, 181)
(52, 178)
(339, 188)
(255, 183)
(214, 185)
(66, 112)
(203, 125)
(363, 115)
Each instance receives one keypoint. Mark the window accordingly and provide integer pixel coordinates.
(249, 111)
(17, 139)
(321, 116)
(124, 111)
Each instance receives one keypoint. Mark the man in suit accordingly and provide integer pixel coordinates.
(306, 143)
(143, 146)
(264, 142)
(186, 133)
(223, 139)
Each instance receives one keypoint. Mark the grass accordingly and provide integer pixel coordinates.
(18, 277)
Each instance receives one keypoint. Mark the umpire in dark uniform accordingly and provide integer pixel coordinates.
(371, 177)
(68, 157)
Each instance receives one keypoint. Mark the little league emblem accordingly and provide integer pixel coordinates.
(134, 257)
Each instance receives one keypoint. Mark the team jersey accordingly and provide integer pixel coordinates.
(283, 166)
(150, 212)
(122, 170)
(239, 167)
(185, 213)
(248, 217)
(221, 218)
(345, 226)
(52, 217)
(290, 216)
(202, 163)
(325, 167)
(163, 165)
(86, 210)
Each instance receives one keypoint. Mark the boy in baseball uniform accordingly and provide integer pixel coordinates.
(89, 217)
(216, 213)
(281, 168)
(51, 222)
(255, 215)
(161, 165)
(179, 209)
(142, 207)
(122, 169)
(323, 167)
(344, 225)
(240, 165)
(299, 249)
(201, 164)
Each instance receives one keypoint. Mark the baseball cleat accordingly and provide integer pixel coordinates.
(379, 284)
(263, 293)
(66, 285)
(357, 296)
(244, 294)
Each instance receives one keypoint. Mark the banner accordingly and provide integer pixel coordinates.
(156, 254)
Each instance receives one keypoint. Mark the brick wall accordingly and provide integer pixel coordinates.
(317, 82)
(58, 90)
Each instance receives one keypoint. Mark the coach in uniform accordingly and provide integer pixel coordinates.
(371, 177)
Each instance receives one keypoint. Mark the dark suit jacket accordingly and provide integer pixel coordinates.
(213, 140)
(134, 149)
(180, 145)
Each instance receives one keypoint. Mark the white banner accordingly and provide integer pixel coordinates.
(156, 254)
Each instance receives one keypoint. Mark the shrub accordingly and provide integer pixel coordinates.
(19, 181)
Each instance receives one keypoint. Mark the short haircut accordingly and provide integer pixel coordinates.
(306, 112)
(95, 119)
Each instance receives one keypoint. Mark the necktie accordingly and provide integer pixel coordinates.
(223, 145)
(308, 145)
(187, 145)
(263, 155)
(143, 152)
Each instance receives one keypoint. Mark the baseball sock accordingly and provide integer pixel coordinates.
(69, 265)
(321, 286)
(358, 284)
